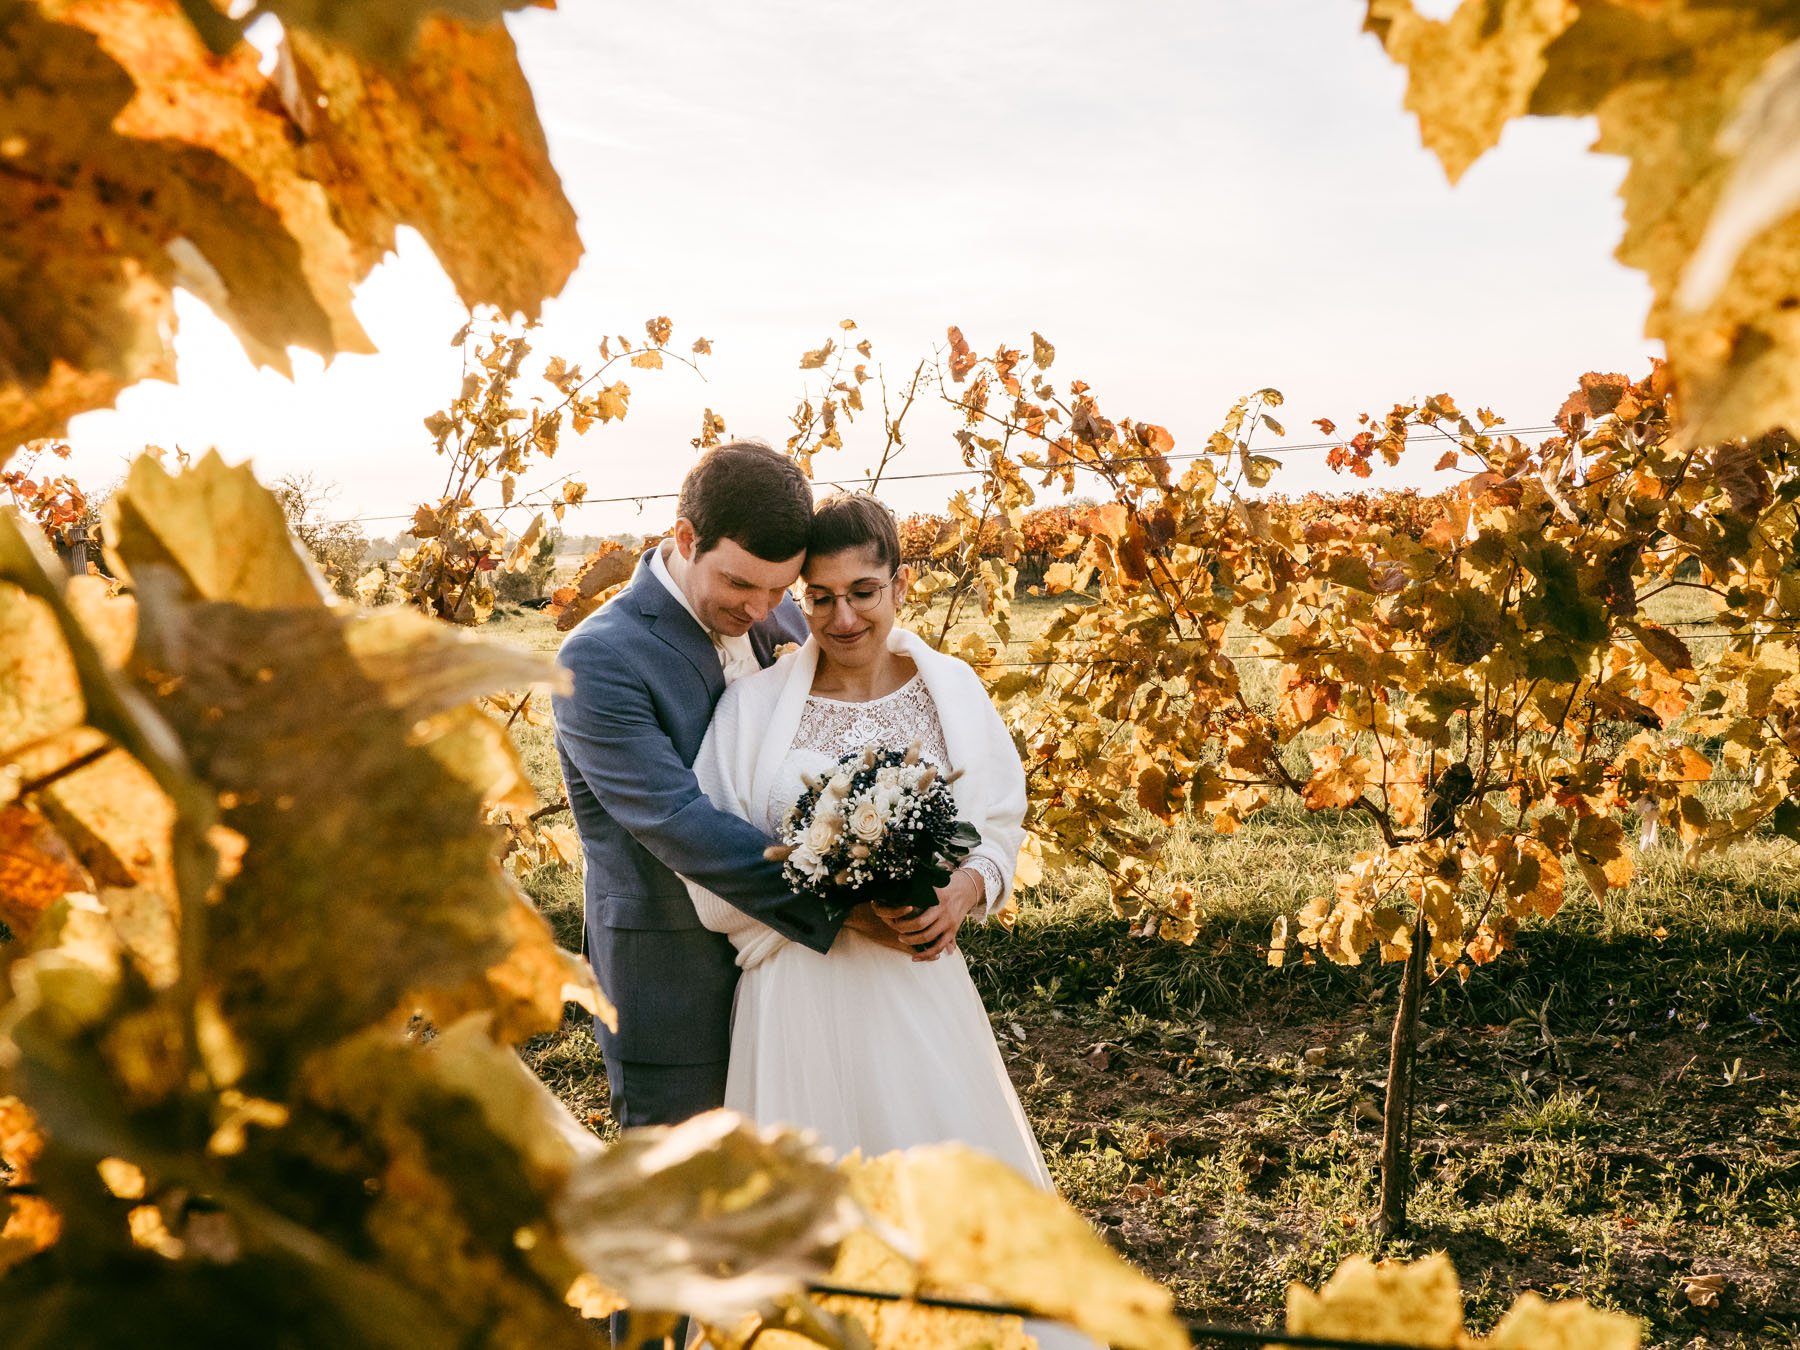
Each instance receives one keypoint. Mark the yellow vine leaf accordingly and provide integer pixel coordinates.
(714, 1217)
(1764, 135)
(1030, 869)
(40, 696)
(20, 1142)
(66, 980)
(1337, 780)
(1601, 853)
(1420, 1303)
(446, 142)
(607, 569)
(490, 1264)
(1532, 1323)
(236, 154)
(219, 531)
(346, 748)
(29, 1226)
(867, 1261)
(95, 821)
(411, 1189)
(121, 824)
(526, 989)
(1532, 876)
(384, 33)
(976, 1229)
(36, 868)
(109, 619)
(1498, 59)
(147, 161)
(1684, 91)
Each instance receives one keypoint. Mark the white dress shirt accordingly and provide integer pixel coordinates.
(737, 658)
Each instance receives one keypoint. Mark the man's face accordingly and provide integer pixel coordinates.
(729, 586)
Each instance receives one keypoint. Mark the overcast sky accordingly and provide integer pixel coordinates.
(1190, 198)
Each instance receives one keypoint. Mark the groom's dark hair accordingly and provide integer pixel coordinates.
(748, 493)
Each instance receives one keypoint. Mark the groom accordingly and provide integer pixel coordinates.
(706, 607)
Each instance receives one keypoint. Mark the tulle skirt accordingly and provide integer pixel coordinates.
(872, 1050)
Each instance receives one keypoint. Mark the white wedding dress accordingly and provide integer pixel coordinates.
(864, 1046)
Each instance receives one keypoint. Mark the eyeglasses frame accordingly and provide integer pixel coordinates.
(808, 607)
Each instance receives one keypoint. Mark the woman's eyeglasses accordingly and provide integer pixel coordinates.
(863, 597)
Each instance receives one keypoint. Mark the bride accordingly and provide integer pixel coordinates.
(870, 1046)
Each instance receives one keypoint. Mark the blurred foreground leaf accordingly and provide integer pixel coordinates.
(712, 1217)
(975, 1229)
(1700, 98)
(1421, 1304)
(245, 860)
(138, 160)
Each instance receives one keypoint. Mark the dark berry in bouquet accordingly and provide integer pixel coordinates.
(880, 825)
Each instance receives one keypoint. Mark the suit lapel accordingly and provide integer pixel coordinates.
(781, 625)
(675, 627)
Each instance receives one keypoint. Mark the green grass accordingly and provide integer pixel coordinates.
(1607, 1110)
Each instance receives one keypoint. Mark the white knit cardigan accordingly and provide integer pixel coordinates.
(753, 729)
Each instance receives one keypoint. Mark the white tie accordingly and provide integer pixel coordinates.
(736, 656)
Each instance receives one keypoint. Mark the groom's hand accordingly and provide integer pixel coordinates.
(932, 932)
(865, 921)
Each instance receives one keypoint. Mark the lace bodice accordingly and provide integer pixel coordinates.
(835, 728)
(831, 728)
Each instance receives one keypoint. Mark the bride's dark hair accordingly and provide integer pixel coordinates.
(847, 520)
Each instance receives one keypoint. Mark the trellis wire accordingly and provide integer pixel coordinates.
(1094, 466)
(1197, 1330)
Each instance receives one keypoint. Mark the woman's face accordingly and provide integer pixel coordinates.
(837, 584)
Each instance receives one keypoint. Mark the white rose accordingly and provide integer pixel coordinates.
(888, 777)
(806, 862)
(840, 785)
(829, 808)
(822, 835)
(867, 821)
(887, 798)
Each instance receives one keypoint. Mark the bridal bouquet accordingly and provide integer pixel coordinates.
(879, 825)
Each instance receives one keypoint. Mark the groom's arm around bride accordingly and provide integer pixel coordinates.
(647, 670)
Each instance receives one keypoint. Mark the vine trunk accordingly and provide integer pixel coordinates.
(1396, 1115)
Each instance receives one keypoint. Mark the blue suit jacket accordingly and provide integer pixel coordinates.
(646, 678)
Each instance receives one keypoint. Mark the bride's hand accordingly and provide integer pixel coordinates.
(932, 932)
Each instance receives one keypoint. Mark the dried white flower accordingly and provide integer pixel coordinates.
(807, 863)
